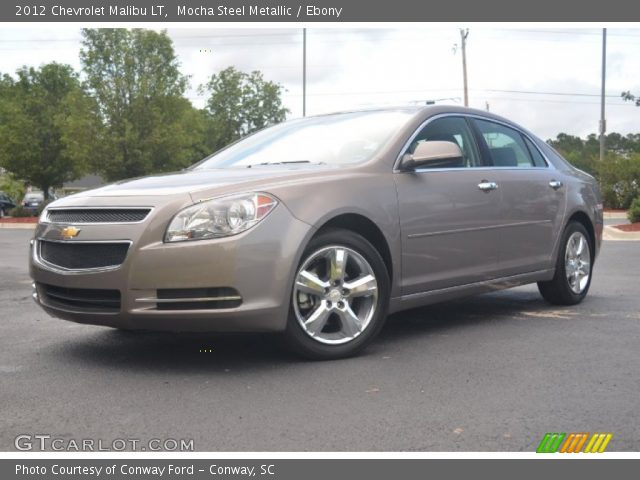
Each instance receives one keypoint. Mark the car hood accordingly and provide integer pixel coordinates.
(199, 182)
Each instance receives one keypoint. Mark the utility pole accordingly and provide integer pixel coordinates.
(603, 122)
(464, 33)
(304, 72)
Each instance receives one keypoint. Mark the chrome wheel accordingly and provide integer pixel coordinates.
(577, 262)
(335, 295)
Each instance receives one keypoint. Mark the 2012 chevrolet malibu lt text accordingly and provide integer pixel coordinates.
(320, 227)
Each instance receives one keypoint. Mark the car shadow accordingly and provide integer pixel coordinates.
(196, 352)
(455, 314)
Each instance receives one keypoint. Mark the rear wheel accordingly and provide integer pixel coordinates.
(574, 264)
(340, 297)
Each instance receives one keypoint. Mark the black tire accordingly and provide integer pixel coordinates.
(299, 341)
(557, 291)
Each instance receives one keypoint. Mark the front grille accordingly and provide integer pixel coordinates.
(80, 299)
(198, 298)
(83, 255)
(97, 215)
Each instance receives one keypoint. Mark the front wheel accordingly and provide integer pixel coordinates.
(574, 265)
(340, 297)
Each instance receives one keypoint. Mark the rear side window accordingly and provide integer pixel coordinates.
(538, 159)
(506, 146)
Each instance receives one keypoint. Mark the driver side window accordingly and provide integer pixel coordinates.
(450, 129)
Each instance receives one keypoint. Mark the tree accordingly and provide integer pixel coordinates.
(578, 152)
(36, 111)
(240, 103)
(144, 123)
(628, 97)
(618, 175)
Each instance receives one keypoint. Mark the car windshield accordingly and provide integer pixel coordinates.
(345, 138)
(34, 196)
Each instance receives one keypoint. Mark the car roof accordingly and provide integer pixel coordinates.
(425, 111)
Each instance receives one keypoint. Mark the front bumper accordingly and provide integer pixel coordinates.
(258, 264)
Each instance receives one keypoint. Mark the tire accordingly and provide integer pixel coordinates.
(564, 289)
(346, 315)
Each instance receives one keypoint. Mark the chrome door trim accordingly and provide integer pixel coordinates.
(475, 229)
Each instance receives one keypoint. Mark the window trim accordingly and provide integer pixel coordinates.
(530, 144)
(481, 147)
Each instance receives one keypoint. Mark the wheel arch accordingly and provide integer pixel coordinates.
(582, 218)
(365, 227)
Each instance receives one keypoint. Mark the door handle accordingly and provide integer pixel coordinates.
(487, 186)
(555, 184)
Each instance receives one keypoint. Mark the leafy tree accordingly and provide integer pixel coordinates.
(144, 123)
(618, 174)
(627, 96)
(12, 187)
(577, 151)
(240, 103)
(36, 110)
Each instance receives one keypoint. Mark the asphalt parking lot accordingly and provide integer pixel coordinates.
(490, 373)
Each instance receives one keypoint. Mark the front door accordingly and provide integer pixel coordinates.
(448, 216)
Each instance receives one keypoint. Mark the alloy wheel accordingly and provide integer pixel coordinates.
(577, 262)
(335, 295)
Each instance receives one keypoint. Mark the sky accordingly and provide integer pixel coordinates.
(548, 80)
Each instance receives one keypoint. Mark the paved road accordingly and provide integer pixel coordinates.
(494, 372)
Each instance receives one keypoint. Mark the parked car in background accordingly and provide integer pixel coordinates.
(33, 201)
(6, 204)
(319, 227)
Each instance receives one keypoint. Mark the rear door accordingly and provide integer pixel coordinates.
(533, 198)
(448, 216)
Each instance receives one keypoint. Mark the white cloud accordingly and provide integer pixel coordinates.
(351, 68)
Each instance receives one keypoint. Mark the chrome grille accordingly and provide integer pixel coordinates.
(97, 215)
(83, 255)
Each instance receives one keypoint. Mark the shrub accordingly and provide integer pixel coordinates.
(20, 211)
(11, 186)
(634, 211)
(619, 178)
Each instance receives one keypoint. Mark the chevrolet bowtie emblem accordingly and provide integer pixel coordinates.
(68, 233)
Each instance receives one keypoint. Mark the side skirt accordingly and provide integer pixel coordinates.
(421, 299)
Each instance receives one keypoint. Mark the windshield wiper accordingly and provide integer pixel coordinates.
(286, 162)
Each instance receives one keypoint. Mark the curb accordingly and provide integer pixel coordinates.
(611, 233)
(615, 215)
(18, 226)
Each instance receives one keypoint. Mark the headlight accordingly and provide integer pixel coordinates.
(220, 217)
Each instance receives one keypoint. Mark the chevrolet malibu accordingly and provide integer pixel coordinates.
(320, 227)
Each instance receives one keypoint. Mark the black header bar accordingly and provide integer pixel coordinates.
(317, 11)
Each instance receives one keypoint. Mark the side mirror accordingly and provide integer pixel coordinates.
(433, 154)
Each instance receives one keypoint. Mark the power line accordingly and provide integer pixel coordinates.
(532, 92)
(567, 32)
